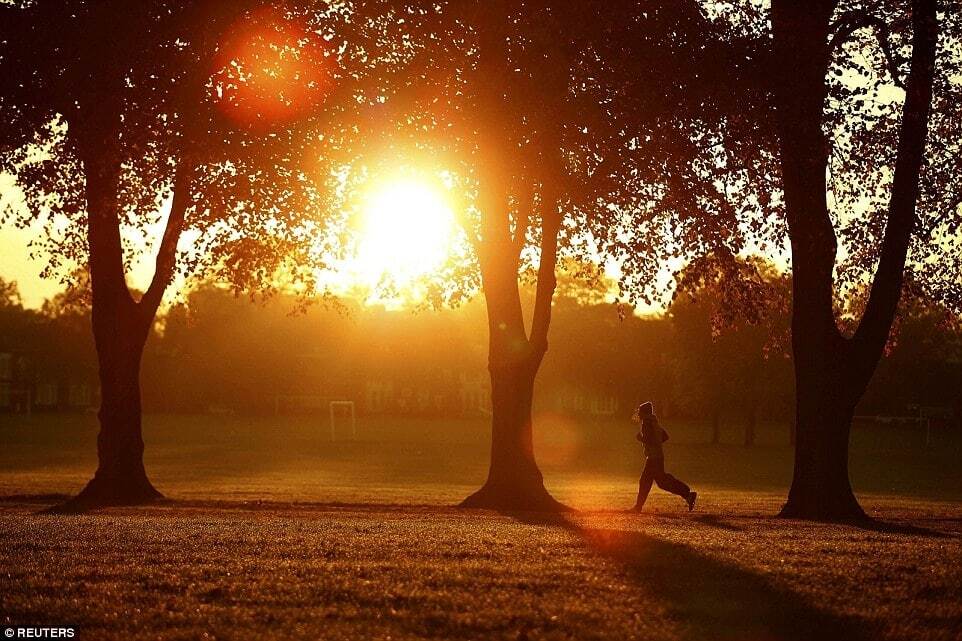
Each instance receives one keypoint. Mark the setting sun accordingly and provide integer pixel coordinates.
(407, 232)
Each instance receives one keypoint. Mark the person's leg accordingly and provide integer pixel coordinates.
(644, 484)
(669, 483)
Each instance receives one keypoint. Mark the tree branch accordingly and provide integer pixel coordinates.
(547, 280)
(876, 322)
(167, 252)
(523, 220)
(105, 254)
(852, 22)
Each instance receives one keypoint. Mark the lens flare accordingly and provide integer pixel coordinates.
(270, 68)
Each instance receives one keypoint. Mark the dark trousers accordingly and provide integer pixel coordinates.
(655, 472)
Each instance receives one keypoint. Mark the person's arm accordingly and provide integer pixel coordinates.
(645, 433)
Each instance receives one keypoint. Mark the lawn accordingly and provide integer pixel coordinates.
(588, 464)
(308, 571)
(271, 531)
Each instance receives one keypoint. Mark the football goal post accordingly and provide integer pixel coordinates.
(344, 408)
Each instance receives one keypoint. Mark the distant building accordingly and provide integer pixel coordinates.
(26, 387)
(390, 388)
(474, 392)
(436, 395)
(378, 396)
(577, 400)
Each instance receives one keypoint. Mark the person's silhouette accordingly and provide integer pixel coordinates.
(651, 435)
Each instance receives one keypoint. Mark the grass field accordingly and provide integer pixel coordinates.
(271, 531)
(587, 464)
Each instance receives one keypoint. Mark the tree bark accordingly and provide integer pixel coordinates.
(821, 488)
(514, 481)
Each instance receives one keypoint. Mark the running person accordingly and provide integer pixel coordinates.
(651, 435)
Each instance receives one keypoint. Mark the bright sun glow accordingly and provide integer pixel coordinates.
(407, 232)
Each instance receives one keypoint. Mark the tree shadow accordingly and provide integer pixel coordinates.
(716, 600)
(886, 527)
(556, 519)
(871, 524)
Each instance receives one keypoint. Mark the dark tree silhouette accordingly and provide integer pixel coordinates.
(110, 107)
(832, 370)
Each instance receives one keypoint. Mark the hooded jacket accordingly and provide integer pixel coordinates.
(651, 435)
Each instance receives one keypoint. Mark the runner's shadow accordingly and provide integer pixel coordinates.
(715, 600)
(708, 520)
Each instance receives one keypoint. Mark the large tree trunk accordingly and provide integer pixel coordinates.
(120, 479)
(831, 371)
(514, 480)
(827, 389)
(820, 484)
(510, 183)
(120, 326)
(514, 355)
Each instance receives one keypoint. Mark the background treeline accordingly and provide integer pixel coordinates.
(216, 352)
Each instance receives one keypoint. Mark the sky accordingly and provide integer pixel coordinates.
(17, 264)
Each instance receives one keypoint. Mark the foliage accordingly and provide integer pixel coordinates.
(214, 350)
(871, 52)
(9, 294)
(647, 106)
(864, 111)
(202, 95)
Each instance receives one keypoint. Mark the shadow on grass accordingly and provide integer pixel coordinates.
(27, 499)
(61, 504)
(708, 520)
(874, 525)
(715, 600)
(710, 599)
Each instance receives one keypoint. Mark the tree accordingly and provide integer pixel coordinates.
(110, 108)
(922, 364)
(732, 351)
(9, 294)
(558, 124)
(833, 370)
(886, 216)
